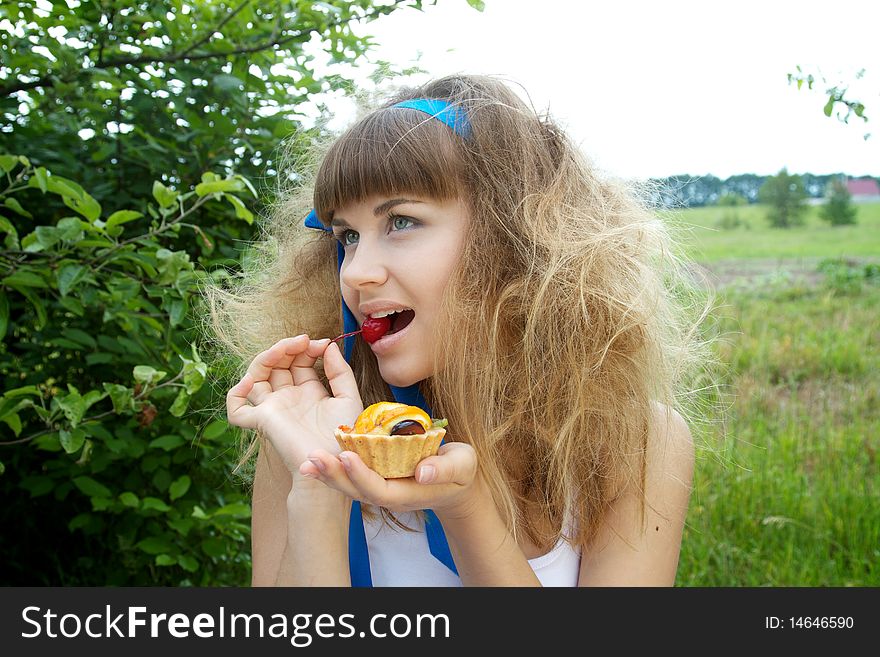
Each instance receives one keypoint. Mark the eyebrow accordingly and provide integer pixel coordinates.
(378, 211)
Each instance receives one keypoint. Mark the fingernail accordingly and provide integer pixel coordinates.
(318, 463)
(427, 473)
(345, 462)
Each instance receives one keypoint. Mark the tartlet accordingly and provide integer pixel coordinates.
(391, 438)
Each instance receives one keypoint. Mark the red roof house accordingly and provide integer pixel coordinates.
(863, 188)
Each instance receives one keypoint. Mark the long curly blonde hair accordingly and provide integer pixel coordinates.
(567, 318)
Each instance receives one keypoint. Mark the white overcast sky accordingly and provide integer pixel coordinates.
(650, 89)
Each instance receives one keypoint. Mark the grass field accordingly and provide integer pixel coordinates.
(699, 229)
(787, 491)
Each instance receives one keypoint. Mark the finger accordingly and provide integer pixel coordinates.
(329, 469)
(455, 463)
(290, 350)
(339, 374)
(262, 366)
(238, 411)
(302, 368)
(368, 484)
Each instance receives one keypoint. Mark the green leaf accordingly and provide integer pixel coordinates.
(37, 485)
(214, 547)
(43, 237)
(80, 521)
(48, 442)
(82, 337)
(181, 525)
(11, 406)
(15, 206)
(228, 83)
(171, 263)
(164, 196)
(165, 560)
(85, 205)
(168, 442)
(129, 499)
(101, 503)
(179, 487)
(181, 402)
(121, 396)
(479, 5)
(829, 106)
(13, 422)
(155, 545)
(155, 504)
(41, 176)
(229, 185)
(73, 405)
(194, 375)
(69, 276)
(176, 311)
(21, 392)
(91, 487)
(237, 510)
(25, 279)
(247, 184)
(240, 210)
(188, 563)
(148, 375)
(8, 162)
(71, 441)
(216, 429)
(122, 216)
(2, 468)
(37, 303)
(4, 314)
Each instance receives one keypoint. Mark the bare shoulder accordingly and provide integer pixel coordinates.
(671, 449)
(628, 552)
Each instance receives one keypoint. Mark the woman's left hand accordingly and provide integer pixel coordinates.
(444, 482)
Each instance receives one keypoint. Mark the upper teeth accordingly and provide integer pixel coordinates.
(385, 313)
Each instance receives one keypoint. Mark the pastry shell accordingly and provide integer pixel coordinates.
(393, 457)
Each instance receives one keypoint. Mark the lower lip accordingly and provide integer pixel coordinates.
(388, 342)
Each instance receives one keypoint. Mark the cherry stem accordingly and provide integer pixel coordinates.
(345, 335)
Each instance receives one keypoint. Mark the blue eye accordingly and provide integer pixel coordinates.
(397, 222)
(395, 218)
(343, 236)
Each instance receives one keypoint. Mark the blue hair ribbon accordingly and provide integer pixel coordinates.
(358, 554)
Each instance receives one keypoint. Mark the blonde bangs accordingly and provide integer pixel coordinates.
(391, 152)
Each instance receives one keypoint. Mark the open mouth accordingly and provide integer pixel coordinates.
(400, 320)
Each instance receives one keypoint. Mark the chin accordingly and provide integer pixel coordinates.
(400, 378)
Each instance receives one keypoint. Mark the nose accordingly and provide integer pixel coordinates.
(363, 266)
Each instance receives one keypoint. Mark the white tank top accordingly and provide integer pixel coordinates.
(402, 558)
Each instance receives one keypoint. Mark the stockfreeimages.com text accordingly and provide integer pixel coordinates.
(300, 629)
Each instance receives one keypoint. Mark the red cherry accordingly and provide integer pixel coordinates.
(374, 328)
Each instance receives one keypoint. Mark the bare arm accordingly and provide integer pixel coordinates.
(299, 528)
(625, 554)
(484, 551)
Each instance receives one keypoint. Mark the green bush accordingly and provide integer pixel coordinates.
(845, 277)
(108, 477)
(838, 209)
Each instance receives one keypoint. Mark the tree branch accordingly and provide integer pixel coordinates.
(49, 81)
(219, 25)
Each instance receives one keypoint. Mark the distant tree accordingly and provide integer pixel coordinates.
(746, 184)
(731, 200)
(839, 209)
(784, 194)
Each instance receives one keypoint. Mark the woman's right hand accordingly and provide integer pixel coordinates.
(282, 397)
